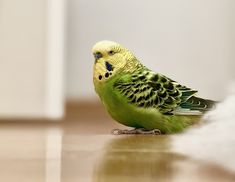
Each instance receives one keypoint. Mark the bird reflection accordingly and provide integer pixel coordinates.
(152, 158)
(143, 158)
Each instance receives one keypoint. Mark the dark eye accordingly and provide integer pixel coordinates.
(111, 52)
(98, 55)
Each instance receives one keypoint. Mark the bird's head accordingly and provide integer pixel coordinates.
(111, 58)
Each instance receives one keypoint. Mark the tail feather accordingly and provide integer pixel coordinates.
(199, 104)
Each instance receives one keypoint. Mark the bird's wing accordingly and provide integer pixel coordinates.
(149, 89)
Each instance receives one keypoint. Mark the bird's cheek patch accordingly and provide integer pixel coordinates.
(109, 66)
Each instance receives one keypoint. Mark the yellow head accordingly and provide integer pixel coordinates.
(111, 58)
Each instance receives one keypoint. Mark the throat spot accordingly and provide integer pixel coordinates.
(100, 77)
(106, 75)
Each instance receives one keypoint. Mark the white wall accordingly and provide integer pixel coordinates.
(31, 58)
(190, 41)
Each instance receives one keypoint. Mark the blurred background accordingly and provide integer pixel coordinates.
(45, 47)
(190, 41)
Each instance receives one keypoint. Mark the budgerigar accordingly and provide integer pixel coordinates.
(137, 97)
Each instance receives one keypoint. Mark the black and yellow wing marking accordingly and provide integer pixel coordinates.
(148, 89)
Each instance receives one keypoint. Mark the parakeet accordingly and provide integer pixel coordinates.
(138, 97)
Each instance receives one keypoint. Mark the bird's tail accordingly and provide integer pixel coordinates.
(198, 104)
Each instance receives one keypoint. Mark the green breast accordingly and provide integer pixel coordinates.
(116, 105)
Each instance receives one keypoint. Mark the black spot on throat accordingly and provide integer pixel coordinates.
(106, 75)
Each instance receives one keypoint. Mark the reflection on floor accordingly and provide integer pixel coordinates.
(80, 148)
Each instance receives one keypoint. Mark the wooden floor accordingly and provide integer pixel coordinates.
(80, 148)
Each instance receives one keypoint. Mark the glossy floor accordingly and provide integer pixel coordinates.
(81, 149)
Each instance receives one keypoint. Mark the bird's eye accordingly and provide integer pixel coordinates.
(98, 55)
(111, 52)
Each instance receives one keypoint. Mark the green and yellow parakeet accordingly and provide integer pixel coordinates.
(137, 97)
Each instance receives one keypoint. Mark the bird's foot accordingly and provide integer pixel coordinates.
(136, 131)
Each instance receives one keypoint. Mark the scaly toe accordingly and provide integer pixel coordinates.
(140, 131)
(117, 131)
(148, 132)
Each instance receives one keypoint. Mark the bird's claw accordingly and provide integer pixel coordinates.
(136, 131)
